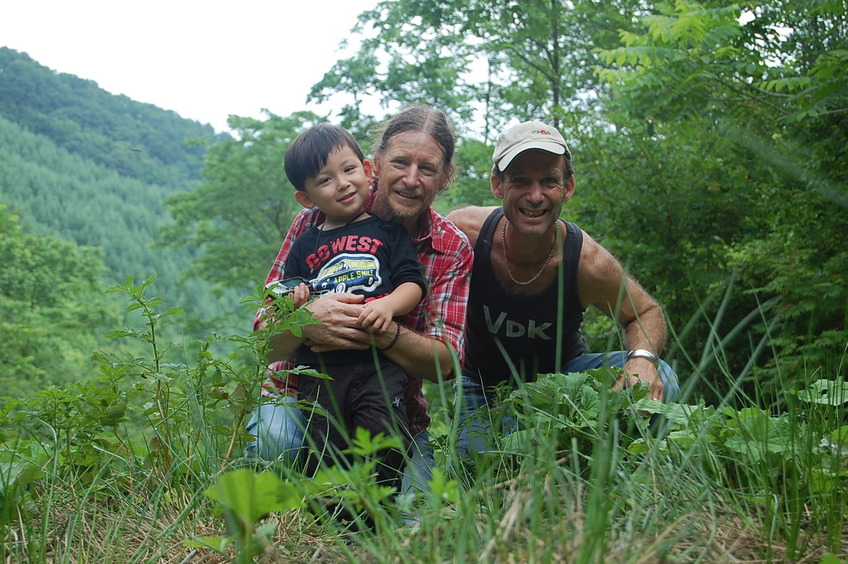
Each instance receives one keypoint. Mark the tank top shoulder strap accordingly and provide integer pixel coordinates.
(571, 252)
(487, 233)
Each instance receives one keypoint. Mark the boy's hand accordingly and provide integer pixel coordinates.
(300, 295)
(376, 316)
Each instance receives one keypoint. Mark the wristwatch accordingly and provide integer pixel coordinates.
(642, 353)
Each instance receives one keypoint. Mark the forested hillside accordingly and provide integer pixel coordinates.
(136, 140)
(53, 312)
(90, 167)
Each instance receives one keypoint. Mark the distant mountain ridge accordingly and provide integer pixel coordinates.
(81, 164)
(135, 139)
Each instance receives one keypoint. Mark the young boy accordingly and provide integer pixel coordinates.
(352, 251)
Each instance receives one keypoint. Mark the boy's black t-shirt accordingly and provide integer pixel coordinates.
(370, 257)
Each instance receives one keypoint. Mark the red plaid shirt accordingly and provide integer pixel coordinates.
(446, 255)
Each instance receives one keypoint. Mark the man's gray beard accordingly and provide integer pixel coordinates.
(393, 214)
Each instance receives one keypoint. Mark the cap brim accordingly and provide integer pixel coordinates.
(549, 147)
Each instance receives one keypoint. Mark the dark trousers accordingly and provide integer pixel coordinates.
(357, 395)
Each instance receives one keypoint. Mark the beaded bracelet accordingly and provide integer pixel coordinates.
(395, 340)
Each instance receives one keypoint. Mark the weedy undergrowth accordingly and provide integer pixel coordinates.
(127, 464)
(154, 425)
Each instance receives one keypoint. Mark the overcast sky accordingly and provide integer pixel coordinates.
(204, 59)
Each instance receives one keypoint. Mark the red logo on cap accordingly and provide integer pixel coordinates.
(543, 132)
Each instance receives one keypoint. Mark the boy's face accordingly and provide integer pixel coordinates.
(339, 189)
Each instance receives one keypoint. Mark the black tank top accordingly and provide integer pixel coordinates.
(513, 336)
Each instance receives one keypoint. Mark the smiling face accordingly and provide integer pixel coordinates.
(533, 189)
(411, 171)
(339, 189)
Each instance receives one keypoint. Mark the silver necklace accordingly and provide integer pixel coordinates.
(544, 266)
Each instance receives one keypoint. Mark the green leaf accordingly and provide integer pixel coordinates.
(760, 435)
(364, 444)
(18, 473)
(837, 441)
(218, 544)
(825, 392)
(250, 495)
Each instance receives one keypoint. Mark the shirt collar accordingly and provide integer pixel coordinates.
(431, 231)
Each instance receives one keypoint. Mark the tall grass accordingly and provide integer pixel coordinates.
(143, 463)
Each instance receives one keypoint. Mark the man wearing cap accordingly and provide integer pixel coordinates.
(533, 277)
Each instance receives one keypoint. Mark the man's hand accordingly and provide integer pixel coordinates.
(338, 314)
(641, 369)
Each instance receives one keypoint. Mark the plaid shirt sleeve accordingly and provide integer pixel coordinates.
(447, 261)
(447, 257)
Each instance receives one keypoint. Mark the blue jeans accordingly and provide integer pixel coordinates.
(279, 430)
(475, 431)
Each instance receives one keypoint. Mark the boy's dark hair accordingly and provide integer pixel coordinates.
(308, 154)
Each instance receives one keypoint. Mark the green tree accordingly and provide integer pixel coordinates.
(136, 140)
(53, 312)
(482, 60)
(238, 217)
(61, 194)
(771, 80)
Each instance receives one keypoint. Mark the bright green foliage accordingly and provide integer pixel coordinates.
(238, 218)
(679, 41)
(750, 443)
(145, 426)
(560, 409)
(471, 182)
(573, 435)
(86, 166)
(422, 65)
(493, 61)
(756, 437)
(672, 204)
(60, 194)
(803, 456)
(153, 431)
(826, 392)
(755, 450)
(783, 57)
(18, 470)
(52, 310)
(764, 82)
(246, 497)
(81, 420)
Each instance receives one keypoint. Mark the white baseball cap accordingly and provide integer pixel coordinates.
(526, 136)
